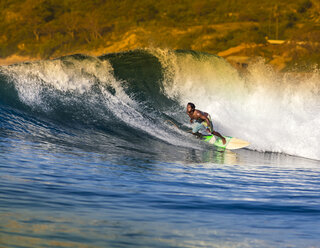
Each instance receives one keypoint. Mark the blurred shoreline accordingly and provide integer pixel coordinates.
(281, 55)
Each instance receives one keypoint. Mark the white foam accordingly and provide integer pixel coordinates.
(273, 111)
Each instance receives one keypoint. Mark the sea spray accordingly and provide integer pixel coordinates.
(287, 107)
(275, 112)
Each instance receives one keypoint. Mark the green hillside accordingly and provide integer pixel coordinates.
(50, 28)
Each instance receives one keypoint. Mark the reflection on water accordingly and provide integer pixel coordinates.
(178, 198)
(212, 155)
(22, 230)
(154, 229)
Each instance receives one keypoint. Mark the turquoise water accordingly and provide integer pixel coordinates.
(89, 159)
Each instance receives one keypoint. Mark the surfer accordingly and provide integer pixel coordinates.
(202, 122)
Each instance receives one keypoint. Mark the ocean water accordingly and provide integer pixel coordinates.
(94, 152)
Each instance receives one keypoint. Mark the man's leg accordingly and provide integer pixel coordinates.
(196, 127)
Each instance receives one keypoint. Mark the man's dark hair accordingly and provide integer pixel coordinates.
(191, 105)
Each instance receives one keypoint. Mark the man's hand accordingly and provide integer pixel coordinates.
(191, 120)
(224, 140)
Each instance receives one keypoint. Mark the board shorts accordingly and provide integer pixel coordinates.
(202, 127)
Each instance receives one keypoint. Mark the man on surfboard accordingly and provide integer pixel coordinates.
(202, 122)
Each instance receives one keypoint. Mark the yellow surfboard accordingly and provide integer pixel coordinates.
(231, 144)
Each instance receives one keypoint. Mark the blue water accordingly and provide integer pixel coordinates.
(89, 161)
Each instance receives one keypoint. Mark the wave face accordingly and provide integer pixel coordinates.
(133, 94)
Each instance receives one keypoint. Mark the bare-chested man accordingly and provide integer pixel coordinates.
(202, 121)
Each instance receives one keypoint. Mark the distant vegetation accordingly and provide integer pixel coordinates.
(46, 28)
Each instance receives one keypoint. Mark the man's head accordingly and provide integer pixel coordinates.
(190, 107)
